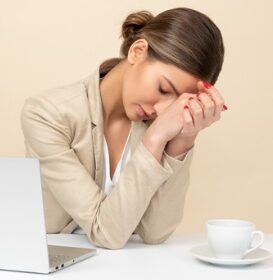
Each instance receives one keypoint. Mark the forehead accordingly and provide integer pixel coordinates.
(181, 80)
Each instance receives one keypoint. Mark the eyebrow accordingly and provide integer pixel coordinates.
(173, 87)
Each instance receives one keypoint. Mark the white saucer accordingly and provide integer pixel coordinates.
(203, 253)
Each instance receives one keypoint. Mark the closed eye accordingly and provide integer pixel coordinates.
(163, 92)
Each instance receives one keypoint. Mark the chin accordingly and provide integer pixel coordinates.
(133, 116)
(135, 119)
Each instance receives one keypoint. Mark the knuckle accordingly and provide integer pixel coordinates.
(187, 121)
(218, 94)
(220, 103)
(181, 102)
(210, 105)
(198, 111)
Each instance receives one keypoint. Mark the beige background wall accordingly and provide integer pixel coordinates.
(48, 43)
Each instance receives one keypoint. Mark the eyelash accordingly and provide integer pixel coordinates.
(162, 91)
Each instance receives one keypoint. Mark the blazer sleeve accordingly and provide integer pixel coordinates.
(109, 220)
(165, 210)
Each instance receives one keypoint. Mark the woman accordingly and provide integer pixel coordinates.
(115, 148)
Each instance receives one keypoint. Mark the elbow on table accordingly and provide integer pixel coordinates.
(107, 244)
(114, 246)
(153, 239)
(157, 236)
(120, 245)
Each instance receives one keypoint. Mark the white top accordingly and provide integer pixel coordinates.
(107, 183)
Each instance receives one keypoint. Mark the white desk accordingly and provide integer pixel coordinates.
(170, 260)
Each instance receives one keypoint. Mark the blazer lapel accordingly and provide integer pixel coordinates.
(96, 113)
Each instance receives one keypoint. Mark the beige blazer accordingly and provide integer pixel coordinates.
(63, 128)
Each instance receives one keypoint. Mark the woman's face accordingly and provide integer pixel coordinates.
(145, 79)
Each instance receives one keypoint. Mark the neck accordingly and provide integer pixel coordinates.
(111, 94)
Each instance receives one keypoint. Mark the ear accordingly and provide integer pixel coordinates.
(138, 51)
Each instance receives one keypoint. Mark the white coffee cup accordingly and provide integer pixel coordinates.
(232, 239)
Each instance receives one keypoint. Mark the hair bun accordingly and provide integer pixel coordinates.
(134, 22)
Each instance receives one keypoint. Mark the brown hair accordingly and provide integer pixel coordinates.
(182, 37)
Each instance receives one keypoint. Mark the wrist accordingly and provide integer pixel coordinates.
(154, 144)
(155, 138)
(187, 140)
(179, 145)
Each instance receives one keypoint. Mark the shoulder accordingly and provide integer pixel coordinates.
(68, 102)
(67, 94)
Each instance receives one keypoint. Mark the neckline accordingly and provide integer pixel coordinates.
(125, 148)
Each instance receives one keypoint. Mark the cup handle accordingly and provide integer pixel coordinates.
(253, 233)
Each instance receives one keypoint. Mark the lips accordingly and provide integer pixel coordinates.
(143, 113)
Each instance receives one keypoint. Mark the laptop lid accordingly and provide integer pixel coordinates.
(23, 241)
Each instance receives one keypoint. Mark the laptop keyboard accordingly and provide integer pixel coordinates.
(58, 259)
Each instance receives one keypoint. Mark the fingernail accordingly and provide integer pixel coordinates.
(225, 107)
(207, 85)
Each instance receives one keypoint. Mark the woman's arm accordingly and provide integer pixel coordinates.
(166, 207)
(179, 145)
(165, 211)
(109, 220)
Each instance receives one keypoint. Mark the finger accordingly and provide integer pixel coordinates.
(208, 107)
(188, 128)
(197, 113)
(213, 91)
(218, 100)
(219, 104)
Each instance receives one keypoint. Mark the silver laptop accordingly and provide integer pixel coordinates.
(23, 239)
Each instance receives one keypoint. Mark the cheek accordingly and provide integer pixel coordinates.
(137, 90)
(127, 87)
(147, 88)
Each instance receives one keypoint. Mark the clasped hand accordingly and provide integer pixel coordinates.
(202, 111)
(177, 121)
